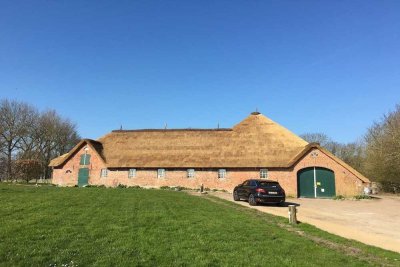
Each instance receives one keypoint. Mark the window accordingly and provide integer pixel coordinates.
(104, 173)
(269, 184)
(221, 173)
(263, 173)
(190, 173)
(85, 159)
(253, 183)
(132, 173)
(160, 173)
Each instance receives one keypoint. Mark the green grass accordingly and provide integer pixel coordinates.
(50, 226)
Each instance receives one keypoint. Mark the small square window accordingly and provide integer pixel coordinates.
(222, 173)
(263, 173)
(160, 173)
(190, 173)
(132, 173)
(104, 173)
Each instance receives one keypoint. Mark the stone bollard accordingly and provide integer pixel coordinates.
(201, 188)
(292, 214)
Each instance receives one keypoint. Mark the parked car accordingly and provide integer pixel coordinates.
(259, 191)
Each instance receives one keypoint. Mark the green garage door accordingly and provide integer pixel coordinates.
(305, 183)
(325, 183)
(323, 178)
(83, 176)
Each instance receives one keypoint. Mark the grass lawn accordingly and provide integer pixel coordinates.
(50, 226)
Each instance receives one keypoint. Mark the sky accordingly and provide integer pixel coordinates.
(312, 66)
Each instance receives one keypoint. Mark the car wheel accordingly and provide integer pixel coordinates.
(236, 196)
(252, 200)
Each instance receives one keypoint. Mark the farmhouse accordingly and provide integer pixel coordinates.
(257, 147)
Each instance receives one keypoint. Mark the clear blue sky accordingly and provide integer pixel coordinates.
(312, 66)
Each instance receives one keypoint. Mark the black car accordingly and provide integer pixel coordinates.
(259, 191)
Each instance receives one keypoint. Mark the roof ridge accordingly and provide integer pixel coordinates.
(171, 130)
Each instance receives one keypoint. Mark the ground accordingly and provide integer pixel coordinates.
(373, 221)
(51, 226)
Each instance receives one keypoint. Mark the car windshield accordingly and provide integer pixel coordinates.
(269, 184)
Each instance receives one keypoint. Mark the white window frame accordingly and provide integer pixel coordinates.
(132, 173)
(221, 173)
(160, 173)
(104, 173)
(190, 173)
(263, 173)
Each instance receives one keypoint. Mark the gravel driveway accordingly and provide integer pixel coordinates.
(375, 222)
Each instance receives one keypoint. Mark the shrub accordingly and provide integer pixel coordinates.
(121, 186)
(339, 197)
(390, 187)
(28, 169)
(164, 187)
(135, 187)
(358, 197)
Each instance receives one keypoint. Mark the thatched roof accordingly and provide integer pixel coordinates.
(255, 142)
(93, 144)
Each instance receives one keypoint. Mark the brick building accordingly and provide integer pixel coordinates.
(257, 147)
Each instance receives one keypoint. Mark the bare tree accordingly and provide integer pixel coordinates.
(14, 120)
(352, 153)
(26, 134)
(55, 136)
(322, 139)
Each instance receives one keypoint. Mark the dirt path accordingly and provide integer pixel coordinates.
(375, 222)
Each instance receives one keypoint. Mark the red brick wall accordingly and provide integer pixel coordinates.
(346, 183)
(68, 174)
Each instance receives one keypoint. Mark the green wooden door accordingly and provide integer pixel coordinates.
(325, 183)
(305, 183)
(324, 179)
(83, 176)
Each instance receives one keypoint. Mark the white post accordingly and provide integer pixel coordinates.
(292, 214)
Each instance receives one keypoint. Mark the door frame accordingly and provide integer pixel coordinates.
(314, 168)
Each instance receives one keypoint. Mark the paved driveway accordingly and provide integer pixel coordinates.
(375, 222)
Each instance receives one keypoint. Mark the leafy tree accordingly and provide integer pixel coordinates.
(383, 151)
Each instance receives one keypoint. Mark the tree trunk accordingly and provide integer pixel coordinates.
(9, 163)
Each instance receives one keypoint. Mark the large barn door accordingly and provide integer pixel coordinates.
(83, 176)
(316, 182)
(305, 183)
(325, 183)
